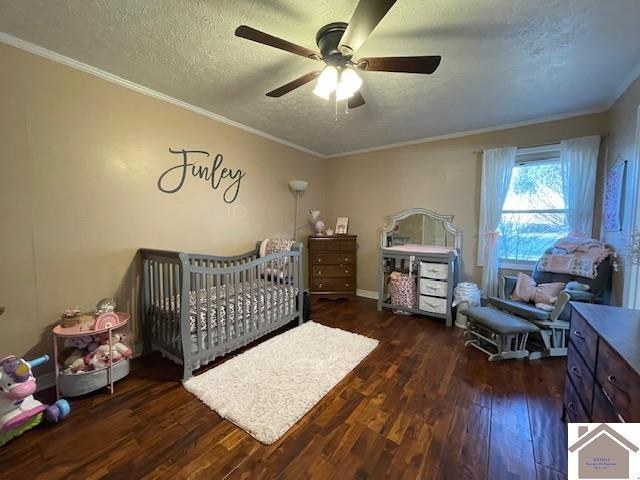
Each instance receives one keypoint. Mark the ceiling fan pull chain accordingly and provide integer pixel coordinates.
(336, 109)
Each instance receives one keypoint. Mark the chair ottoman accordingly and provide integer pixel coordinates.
(498, 334)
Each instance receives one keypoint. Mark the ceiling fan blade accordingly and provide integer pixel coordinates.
(400, 64)
(264, 38)
(292, 85)
(365, 18)
(355, 101)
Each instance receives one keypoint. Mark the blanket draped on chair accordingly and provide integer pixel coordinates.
(574, 256)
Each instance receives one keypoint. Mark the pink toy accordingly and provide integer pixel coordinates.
(107, 320)
(99, 358)
(19, 411)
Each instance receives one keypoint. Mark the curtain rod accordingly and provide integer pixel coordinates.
(534, 145)
(521, 147)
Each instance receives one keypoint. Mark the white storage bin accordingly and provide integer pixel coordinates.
(439, 271)
(433, 304)
(434, 288)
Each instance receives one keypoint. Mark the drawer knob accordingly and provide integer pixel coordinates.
(578, 334)
(571, 408)
(319, 272)
(321, 285)
(319, 260)
(346, 259)
(614, 382)
(346, 284)
(346, 271)
(576, 372)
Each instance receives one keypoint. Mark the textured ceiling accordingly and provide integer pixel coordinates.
(504, 61)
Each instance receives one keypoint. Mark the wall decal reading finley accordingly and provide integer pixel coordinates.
(215, 174)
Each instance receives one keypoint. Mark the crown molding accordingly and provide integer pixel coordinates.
(525, 123)
(633, 75)
(70, 62)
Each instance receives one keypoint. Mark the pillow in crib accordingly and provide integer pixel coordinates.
(275, 245)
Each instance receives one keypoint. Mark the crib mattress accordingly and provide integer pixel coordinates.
(245, 307)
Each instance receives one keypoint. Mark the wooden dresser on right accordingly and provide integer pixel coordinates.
(603, 365)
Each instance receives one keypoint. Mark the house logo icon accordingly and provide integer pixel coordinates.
(603, 452)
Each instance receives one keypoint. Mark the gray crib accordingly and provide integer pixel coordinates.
(232, 301)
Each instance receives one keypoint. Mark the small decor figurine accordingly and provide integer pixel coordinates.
(329, 232)
(317, 224)
(106, 305)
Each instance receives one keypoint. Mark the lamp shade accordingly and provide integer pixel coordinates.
(298, 185)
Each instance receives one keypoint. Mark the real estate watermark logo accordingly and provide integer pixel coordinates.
(604, 450)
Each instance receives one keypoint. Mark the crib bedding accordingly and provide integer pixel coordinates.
(262, 302)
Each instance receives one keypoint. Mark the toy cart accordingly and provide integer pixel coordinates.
(80, 383)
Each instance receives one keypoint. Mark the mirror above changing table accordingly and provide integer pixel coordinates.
(426, 245)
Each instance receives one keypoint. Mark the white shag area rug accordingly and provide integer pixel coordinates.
(267, 389)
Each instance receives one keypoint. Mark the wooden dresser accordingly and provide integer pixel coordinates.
(332, 266)
(603, 365)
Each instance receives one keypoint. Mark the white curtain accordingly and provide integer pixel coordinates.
(497, 165)
(579, 163)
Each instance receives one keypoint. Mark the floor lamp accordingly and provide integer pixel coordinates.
(297, 186)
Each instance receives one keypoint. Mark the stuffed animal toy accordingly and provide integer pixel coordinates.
(118, 344)
(99, 358)
(75, 362)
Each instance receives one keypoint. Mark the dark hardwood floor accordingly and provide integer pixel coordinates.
(420, 406)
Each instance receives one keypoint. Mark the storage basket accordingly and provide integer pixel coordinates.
(74, 384)
(403, 291)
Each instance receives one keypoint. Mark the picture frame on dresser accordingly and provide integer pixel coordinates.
(342, 226)
(426, 242)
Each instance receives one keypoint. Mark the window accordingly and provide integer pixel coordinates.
(534, 214)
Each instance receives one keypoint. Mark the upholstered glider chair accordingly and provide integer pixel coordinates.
(554, 325)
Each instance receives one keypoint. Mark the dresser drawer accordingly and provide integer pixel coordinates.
(439, 271)
(333, 270)
(434, 288)
(333, 259)
(603, 411)
(580, 376)
(331, 245)
(620, 383)
(432, 304)
(584, 338)
(573, 408)
(332, 284)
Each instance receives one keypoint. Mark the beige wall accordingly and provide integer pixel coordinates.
(621, 142)
(78, 196)
(443, 176)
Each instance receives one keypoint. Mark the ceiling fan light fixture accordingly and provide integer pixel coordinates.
(350, 80)
(327, 82)
(343, 92)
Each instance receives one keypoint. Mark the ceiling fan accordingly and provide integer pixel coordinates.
(338, 42)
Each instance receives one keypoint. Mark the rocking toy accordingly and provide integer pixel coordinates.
(19, 411)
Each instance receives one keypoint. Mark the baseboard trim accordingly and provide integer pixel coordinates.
(367, 294)
(48, 380)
